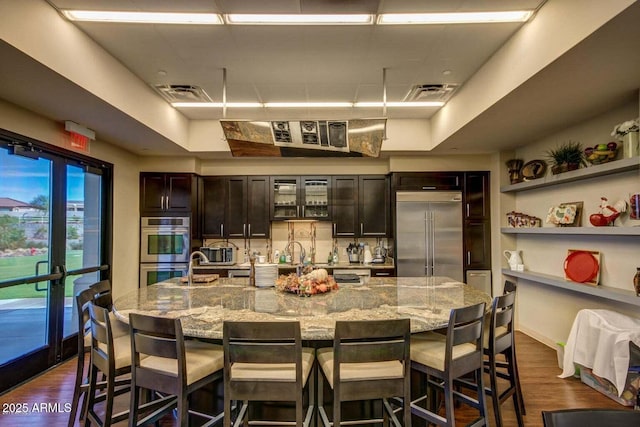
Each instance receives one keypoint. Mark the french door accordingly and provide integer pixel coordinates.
(54, 242)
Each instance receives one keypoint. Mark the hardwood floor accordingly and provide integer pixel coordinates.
(45, 397)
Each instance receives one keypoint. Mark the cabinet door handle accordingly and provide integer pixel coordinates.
(429, 187)
(221, 229)
(302, 211)
(361, 229)
(382, 274)
(334, 228)
(468, 257)
(161, 203)
(249, 230)
(467, 209)
(298, 211)
(244, 230)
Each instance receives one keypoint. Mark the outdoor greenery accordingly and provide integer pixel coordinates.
(11, 234)
(24, 266)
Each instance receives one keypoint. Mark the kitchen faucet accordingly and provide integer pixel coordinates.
(303, 253)
(203, 258)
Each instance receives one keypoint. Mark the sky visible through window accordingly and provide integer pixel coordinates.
(23, 179)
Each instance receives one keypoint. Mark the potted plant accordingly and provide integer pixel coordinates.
(567, 156)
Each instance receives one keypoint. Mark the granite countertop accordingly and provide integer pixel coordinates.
(342, 265)
(203, 307)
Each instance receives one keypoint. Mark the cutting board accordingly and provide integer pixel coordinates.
(201, 278)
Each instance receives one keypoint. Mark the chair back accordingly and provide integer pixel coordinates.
(501, 323)
(509, 287)
(160, 338)
(102, 351)
(102, 294)
(466, 326)
(371, 341)
(591, 418)
(257, 345)
(83, 298)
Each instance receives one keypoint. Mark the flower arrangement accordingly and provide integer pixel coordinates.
(625, 127)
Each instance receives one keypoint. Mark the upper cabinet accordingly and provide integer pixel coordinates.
(476, 218)
(300, 197)
(167, 193)
(235, 207)
(360, 206)
(424, 181)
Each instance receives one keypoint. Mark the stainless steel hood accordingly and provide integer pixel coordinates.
(305, 138)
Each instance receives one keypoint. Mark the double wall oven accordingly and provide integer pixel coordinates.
(164, 248)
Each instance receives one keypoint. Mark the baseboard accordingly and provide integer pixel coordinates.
(536, 336)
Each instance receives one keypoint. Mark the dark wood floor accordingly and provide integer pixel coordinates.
(538, 372)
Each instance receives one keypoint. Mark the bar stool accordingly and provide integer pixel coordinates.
(510, 286)
(447, 358)
(81, 387)
(369, 360)
(163, 362)
(499, 340)
(112, 357)
(265, 361)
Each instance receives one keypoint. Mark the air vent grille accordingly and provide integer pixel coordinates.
(182, 93)
(431, 92)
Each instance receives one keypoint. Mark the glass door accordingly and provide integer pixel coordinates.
(52, 245)
(285, 198)
(316, 198)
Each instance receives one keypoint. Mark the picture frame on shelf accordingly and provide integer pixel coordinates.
(566, 214)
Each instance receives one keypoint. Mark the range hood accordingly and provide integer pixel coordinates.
(305, 138)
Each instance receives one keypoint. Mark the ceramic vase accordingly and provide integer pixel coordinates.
(630, 145)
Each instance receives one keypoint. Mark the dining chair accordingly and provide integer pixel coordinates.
(170, 366)
(590, 417)
(498, 340)
(369, 360)
(265, 361)
(82, 299)
(510, 286)
(444, 359)
(112, 358)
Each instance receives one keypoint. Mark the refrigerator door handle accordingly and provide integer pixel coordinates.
(433, 243)
(427, 255)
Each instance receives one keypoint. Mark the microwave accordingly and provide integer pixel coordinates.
(225, 255)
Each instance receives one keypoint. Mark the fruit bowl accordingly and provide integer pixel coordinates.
(601, 153)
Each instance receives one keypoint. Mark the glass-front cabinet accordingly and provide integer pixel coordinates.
(300, 197)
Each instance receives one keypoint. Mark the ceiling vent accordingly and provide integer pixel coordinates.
(182, 93)
(430, 92)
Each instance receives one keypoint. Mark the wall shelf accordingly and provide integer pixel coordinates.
(617, 166)
(613, 294)
(585, 231)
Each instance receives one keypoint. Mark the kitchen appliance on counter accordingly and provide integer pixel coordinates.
(379, 254)
(353, 251)
(164, 248)
(429, 234)
(222, 255)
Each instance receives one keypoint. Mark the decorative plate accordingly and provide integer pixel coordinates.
(533, 170)
(582, 266)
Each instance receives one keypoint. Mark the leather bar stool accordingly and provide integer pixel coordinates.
(445, 359)
(369, 360)
(167, 364)
(265, 361)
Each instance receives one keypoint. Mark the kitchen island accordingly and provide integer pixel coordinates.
(204, 307)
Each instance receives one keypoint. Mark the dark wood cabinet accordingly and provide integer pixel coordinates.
(344, 205)
(167, 193)
(373, 205)
(235, 207)
(424, 181)
(383, 272)
(477, 224)
(300, 197)
(360, 206)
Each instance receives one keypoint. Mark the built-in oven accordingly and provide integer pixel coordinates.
(154, 273)
(164, 239)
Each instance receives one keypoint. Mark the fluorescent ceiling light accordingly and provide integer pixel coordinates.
(299, 19)
(308, 104)
(217, 105)
(143, 17)
(305, 104)
(454, 18)
(399, 104)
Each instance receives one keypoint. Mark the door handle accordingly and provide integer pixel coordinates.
(334, 228)
(303, 211)
(468, 257)
(467, 209)
(38, 264)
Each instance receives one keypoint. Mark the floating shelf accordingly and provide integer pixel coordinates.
(612, 294)
(616, 166)
(586, 231)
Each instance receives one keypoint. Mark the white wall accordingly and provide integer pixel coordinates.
(125, 268)
(544, 312)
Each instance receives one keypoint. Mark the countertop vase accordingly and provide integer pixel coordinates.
(630, 145)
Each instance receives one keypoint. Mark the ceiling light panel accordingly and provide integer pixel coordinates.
(299, 19)
(454, 18)
(143, 17)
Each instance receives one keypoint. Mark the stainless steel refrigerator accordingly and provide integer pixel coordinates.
(429, 234)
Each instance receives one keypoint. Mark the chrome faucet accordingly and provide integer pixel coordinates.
(303, 253)
(203, 258)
